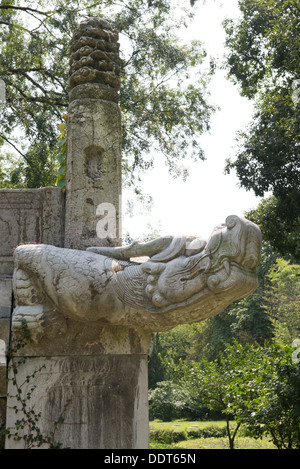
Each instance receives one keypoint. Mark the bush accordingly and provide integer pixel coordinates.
(171, 436)
(207, 432)
(168, 401)
(168, 436)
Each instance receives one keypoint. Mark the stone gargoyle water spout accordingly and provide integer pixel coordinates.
(181, 280)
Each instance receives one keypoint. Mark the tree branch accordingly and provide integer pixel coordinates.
(26, 9)
(13, 145)
(19, 151)
(14, 71)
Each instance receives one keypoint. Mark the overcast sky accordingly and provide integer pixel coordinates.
(208, 196)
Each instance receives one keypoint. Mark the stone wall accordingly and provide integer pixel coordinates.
(26, 216)
(29, 216)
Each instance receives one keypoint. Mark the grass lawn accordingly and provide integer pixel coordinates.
(222, 443)
(241, 441)
(181, 424)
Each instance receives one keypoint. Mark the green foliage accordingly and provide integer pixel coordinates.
(167, 436)
(283, 301)
(211, 382)
(265, 42)
(176, 343)
(269, 397)
(207, 435)
(257, 386)
(279, 223)
(162, 108)
(168, 401)
(264, 61)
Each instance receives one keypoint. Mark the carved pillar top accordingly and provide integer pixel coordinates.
(94, 61)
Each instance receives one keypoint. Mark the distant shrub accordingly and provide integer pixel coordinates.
(207, 432)
(168, 401)
(171, 436)
(168, 436)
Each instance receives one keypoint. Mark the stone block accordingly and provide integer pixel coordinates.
(5, 314)
(5, 296)
(29, 216)
(88, 402)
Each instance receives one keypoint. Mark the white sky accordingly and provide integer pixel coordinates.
(208, 196)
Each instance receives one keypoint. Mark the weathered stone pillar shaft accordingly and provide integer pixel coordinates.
(93, 187)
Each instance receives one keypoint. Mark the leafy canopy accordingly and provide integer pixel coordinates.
(264, 61)
(258, 386)
(163, 94)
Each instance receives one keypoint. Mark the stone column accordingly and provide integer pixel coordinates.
(93, 187)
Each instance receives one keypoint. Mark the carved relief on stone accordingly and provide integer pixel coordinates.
(94, 54)
(183, 280)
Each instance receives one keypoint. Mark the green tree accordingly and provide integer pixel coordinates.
(257, 386)
(163, 109)
(278, 225)
(167, 402)
(282, 300)
(210, 383)
(267, 389)
(264, 61)
(176, 344)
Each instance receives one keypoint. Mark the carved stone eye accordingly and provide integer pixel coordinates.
(231, 221)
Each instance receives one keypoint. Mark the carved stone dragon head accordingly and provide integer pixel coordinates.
(190, 275)
(183, 280)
